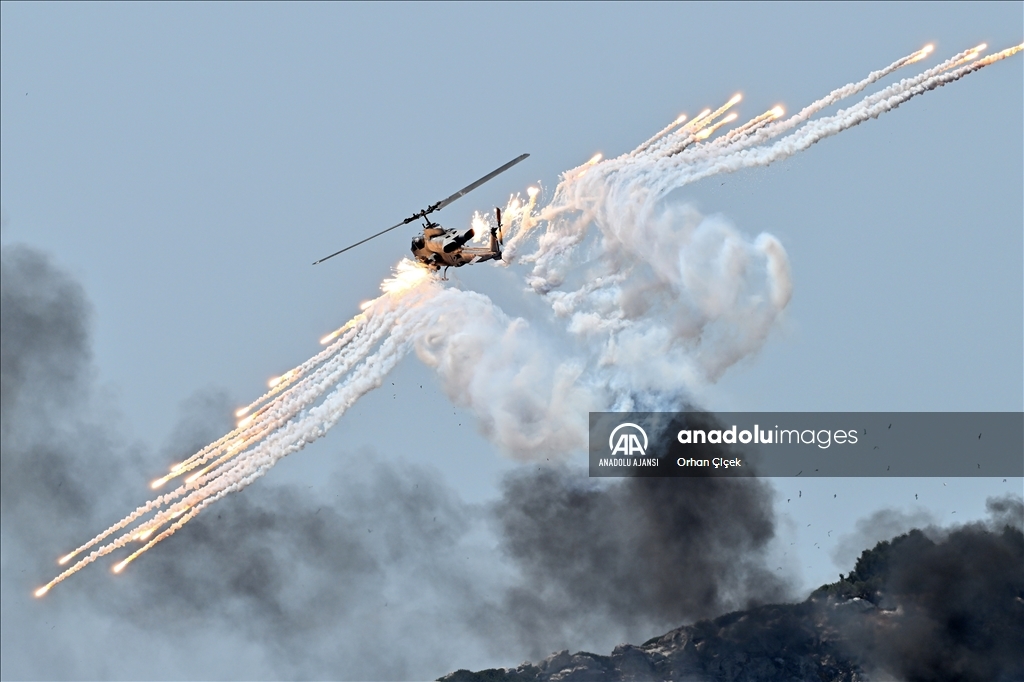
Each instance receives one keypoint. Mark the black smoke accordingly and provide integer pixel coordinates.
(391, 574)
(276, 582)
(951, 603)
(930, 605)
(641, 553)
(333, 585)
(47, 495)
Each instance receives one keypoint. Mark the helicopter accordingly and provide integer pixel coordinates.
(436, 247)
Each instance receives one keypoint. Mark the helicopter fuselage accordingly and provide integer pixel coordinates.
(438, 247)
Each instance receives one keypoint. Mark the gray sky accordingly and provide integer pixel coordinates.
(186, 163)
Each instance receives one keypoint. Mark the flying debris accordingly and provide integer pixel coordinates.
(437, 247)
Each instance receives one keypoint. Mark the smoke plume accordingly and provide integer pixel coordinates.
(391, 577)
(951, 600)
(639, 555)
(942, 605)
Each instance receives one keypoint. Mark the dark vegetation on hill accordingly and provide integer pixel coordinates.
(913, 608)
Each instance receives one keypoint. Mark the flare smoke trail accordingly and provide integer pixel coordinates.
(667, 299)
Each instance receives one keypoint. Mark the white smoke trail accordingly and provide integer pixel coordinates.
(820, 129)
(619, 195)
(288, 432)
(665, 292)
(660, 134)
(525, 398)
(520, 219)
(445, 325)
(661, 300)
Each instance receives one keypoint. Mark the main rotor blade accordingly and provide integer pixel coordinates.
(404, 222)
(433, 207)
(489, 176)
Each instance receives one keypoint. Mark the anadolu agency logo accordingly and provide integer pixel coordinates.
(628, 445)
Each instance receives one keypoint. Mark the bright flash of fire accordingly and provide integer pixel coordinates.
(707, 132)
(753, 124)
(407, 276)
(975, 52)
(518, 220)
(341, 330)
(275, 381)
(710, 118)
(921, 54)
(142, 535)
(196, 475)
(697, 122)
(590, 164)
(481, 228)
(967, 56)
(1003, 54)
(661, 133)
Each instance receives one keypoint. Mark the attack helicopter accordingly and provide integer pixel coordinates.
(436, 247)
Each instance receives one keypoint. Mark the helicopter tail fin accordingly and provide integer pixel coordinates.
(496, 237)
(501, 231)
